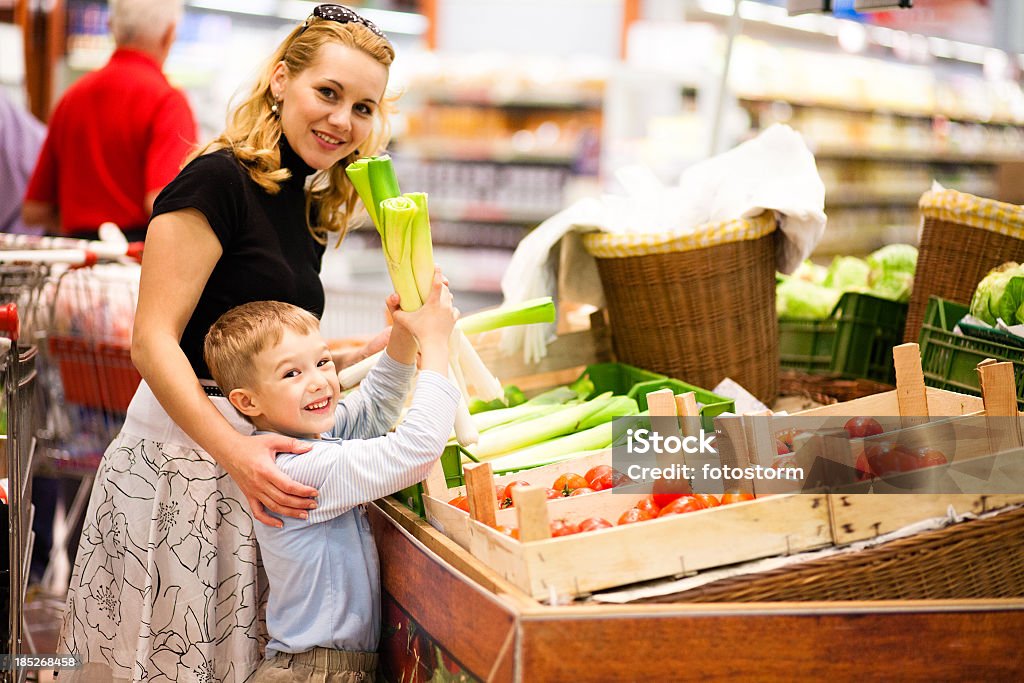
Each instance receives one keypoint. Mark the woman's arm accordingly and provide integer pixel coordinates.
(181, 252)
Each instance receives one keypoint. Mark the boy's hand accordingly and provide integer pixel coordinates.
(432, 324)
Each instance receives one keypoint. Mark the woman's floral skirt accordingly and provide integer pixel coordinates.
(167, 584)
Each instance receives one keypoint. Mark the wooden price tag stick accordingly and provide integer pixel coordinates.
(910, 390)
(483, 504)
(661, 405)
(531, 513)
(999, 392)
(686, 408)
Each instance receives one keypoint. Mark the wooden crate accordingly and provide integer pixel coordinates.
(904, 413)
(774, 524)
(671, 546)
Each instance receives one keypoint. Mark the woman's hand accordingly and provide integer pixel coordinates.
(253, 467)
(346, 352)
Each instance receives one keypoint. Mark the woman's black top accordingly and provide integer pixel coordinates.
(268, 251)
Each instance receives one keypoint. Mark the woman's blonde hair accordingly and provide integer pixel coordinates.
(242, 333)
(253, 130)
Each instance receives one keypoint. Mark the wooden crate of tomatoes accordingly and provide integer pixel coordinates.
(578, 526)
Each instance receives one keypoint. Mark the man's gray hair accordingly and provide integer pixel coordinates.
(142, 22)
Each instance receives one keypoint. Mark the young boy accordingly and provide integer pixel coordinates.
(323, 613)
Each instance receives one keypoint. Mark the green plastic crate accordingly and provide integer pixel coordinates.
(619, 378)
(867, 327)
(950, 361)
(855, 341)
(806, 344)
(451, 462)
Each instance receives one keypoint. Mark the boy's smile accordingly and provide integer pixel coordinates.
(297, 388)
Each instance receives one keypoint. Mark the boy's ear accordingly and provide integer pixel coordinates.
(244, 402)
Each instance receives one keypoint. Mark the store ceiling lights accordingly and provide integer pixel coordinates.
(907, 46)
(389, 21)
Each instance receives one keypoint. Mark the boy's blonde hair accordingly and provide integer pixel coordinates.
(253, 129)
(245, 331)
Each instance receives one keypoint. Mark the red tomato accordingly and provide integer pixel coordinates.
(649, 504)
(781, 448)
(681, 505)
(929, 457)
(460, 502)
(567, 483)
(895, 461)
(560, 527)
(592, 523)
(709, 500)
(595, 472)
(860, 427)
(508, 489)
(603, 481)
(582, 491)
(633, 515)
(731, 497)
(666, 490)
(663, 499)
(875, 453)
(499, 491)
(864, 471)
(554, 493)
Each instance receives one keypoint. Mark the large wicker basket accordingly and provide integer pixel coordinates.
(962, 238)
(983, 558)
(698, 307)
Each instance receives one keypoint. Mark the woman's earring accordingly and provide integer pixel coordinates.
(274, 109)
(356, 152)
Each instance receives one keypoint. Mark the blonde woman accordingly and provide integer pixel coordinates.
(166, 584)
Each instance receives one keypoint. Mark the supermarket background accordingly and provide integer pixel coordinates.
(512, 110)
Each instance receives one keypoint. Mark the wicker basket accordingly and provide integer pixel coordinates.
(699, 307)
(983, 558)
(962, 238)
(827, 388)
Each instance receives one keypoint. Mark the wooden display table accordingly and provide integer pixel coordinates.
(449, 616)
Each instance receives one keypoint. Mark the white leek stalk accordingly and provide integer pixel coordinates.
(531, 312)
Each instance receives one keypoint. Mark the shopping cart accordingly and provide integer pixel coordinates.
(80, 298)
(17, 366)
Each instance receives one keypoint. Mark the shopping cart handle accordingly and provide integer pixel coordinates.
(10, 326)
(134, 251)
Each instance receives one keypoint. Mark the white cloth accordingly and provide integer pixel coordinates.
(774, 171)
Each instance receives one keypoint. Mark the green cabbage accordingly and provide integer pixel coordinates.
(1000, 294)
(847, 273)
(892, 271)
(802, 300)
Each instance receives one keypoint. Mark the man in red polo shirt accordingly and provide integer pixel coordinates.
(118, 135)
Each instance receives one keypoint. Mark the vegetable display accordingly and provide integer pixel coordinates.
(812, 291)
(1000, 295)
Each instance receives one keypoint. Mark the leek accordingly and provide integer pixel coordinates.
(540, 310)
(512, 437)
(484, 321)
(422, 246)
(398, 216)
(517, 462)
(495, 418)
(549, 451)
(619, 406)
